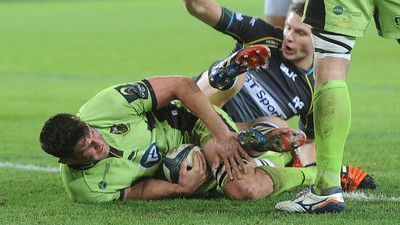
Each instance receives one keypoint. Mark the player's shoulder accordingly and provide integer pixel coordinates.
(93, 184)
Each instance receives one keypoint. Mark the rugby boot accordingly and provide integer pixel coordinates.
(353, 178)
(262, 138)
(222, 73)
(309, 202)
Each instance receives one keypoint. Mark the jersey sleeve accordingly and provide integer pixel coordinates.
(88, 186)
(117, 103)
(103, 182)
(248, 30)
(82, 193)
(140, 95)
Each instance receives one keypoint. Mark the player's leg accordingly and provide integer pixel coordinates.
(332, 117)
(351, 177)
(216, 96)
(332, 109)
(222, 73)
(275, 11)
(255, 183)
(262, 179)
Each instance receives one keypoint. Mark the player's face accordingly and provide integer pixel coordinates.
(91, 148)
(297, 40)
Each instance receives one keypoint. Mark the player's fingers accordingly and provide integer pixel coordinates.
(235, 168)
(203, 161)
(217, 161)
(240, 163)
(244, 155)
(184, 164)
(228, 168)
(198, 161)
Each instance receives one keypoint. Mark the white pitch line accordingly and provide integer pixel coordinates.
(356, 195)
(51, 169)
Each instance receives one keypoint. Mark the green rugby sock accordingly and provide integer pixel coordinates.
(289, 177)
(332, 118)
(281, 159)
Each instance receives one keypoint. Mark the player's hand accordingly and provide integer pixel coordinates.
(230, 152)
(190, 180)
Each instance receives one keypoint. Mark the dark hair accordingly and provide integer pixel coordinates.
(61, 133)
(297, 8)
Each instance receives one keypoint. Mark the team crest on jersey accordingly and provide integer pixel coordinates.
(119, 128)
(150, 157)
(132, 92)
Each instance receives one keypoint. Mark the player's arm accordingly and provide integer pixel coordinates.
(228, 149)
(207, 11)
(189, 181)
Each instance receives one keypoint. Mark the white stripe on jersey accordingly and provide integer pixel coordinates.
(262, 98)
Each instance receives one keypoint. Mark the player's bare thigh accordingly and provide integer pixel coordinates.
(255, 184)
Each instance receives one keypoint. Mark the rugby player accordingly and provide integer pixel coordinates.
(283, 90)
(336, 24)
(113, 148)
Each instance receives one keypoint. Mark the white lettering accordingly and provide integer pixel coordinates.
(239, 16)
(290, 74)
(262, 98)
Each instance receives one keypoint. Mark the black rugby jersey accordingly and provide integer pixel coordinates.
(281, 89)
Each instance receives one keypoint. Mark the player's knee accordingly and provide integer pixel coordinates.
(241, 190)
(253, 185)
(332, 45)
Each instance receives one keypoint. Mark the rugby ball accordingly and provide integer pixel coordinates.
(173, 159)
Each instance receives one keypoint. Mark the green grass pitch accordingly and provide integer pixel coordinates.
(54, 55)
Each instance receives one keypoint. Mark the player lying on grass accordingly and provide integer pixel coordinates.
(114, 148)
(283, 90)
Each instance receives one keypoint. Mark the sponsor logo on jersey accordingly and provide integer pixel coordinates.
(339, 10)
(273, 42)
(296, 104)
(292, 75)
(103, 184)
(150, 157)
(239, 16)
(262, 98)
(253, 21)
